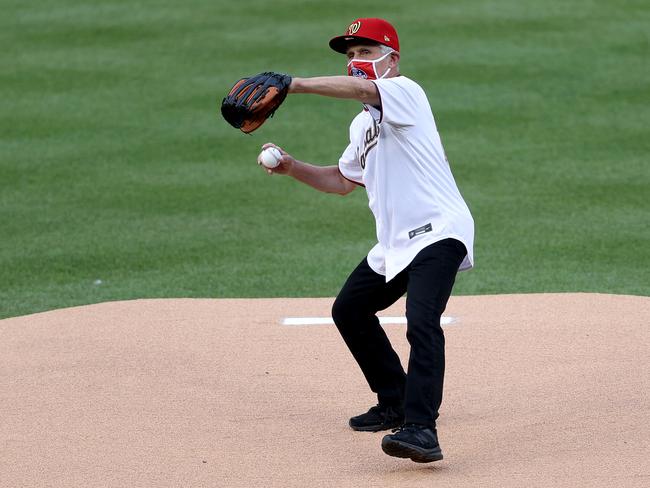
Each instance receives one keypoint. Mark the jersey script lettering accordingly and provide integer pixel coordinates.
(369, 141)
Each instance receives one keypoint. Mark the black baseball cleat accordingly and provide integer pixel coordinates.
(417, 442)
(379, 417)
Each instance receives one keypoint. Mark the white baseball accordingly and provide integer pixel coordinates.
(270, 157)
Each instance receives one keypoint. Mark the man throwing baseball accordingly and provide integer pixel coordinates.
(425, 234)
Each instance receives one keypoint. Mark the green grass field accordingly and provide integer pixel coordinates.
(115, 165)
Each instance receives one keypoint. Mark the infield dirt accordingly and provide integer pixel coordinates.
(541, 390)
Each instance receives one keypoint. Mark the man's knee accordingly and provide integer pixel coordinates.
(342, 311)
(348, 313)
(423, 320)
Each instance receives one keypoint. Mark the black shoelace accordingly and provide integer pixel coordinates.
(406, 427)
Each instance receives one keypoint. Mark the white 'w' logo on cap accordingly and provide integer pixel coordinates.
(354, 28)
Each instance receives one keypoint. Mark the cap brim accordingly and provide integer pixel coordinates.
(340, 43)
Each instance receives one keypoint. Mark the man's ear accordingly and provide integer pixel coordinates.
(394, 59)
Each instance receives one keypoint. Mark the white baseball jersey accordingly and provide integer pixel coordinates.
(396, 153)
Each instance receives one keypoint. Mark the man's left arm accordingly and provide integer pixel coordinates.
(348, 87)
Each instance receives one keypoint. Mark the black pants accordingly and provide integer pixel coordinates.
(428, 281)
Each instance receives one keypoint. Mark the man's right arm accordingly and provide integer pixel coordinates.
(327, 179)
(324, 178)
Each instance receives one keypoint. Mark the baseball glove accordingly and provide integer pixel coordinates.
(253, 100)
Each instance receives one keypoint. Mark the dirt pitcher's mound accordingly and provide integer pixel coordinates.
(541, 390)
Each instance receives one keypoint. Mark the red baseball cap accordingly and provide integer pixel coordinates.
(370, 29)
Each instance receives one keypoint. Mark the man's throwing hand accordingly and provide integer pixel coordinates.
(285, 162)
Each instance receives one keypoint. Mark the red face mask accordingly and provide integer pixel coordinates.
(367, 68)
